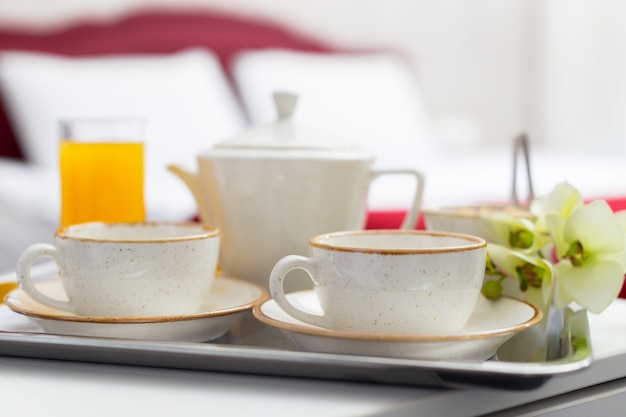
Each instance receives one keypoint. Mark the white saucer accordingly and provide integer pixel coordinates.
(491, 324)
(228, 299)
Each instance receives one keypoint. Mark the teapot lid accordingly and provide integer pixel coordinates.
(284, 134)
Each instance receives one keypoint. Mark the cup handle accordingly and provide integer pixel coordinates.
(412, 216)
(24, 265)
(277, 288)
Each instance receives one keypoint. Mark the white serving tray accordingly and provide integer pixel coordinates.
(254, 348)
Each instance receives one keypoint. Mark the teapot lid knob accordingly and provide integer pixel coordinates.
(285, 104)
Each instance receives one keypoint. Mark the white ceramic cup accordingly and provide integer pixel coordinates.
(468, 219)
(388, 281)
(128, 269)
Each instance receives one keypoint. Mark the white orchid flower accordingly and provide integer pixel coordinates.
(592, 258)
(563, 201)
(534, 274)
(569, 253)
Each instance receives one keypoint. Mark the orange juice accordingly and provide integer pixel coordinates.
(101, 181)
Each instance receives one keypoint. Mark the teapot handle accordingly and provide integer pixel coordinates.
(412, 216)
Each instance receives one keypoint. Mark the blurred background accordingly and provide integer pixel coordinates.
(487, 69)
(484, 71)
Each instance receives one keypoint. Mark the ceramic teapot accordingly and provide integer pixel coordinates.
(275, 186)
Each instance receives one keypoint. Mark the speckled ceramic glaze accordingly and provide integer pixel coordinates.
(271, 188)
(128, 269)
(404, 282)
(468, 219)
(492, 323)
(227, 301)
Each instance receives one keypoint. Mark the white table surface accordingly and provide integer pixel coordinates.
(50, 388)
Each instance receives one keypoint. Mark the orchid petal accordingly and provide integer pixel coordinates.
(555, 225)
(504, 258)
(507, 260)
(594, 286)
(496, 227)
(596, 228)
(563, 200)
(562, 297)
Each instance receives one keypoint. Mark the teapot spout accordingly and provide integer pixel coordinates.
(192, 179)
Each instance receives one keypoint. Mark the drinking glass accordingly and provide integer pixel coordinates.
(102, 170)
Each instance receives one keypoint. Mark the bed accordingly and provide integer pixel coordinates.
(203, 76)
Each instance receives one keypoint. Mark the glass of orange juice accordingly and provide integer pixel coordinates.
(102, 170)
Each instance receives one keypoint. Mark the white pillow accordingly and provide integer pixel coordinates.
(369, 99)
(185, 99)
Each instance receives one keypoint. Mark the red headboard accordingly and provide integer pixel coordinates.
(155, 31)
